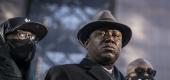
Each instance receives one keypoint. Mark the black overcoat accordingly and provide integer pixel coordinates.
(86, 70)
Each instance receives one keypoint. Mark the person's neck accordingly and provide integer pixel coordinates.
(109, 67)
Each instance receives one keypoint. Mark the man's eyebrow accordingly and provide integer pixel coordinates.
(98, 31)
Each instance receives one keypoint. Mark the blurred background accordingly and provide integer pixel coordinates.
(148, 19)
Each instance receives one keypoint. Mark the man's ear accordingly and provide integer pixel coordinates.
(86, 43)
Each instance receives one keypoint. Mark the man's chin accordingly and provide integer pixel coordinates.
(108, 55)
(106, 59)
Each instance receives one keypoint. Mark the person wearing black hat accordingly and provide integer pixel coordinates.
(18, 38)
(103, 39)
(140, 69)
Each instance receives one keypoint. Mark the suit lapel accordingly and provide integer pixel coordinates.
(95, 70)
(118, 74)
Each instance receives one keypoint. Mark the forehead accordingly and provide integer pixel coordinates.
(107, 30)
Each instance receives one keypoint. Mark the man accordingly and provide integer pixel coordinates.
(103, 38)
(140, 69)
(18, 38)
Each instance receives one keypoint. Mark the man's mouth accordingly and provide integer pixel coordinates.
(108, 48)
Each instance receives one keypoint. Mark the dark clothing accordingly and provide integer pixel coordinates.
(86, 70)
(12, 68)
(8, 68)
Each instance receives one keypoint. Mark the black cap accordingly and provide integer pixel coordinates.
(22, 23)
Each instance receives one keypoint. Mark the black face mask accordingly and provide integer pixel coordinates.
(23, 50)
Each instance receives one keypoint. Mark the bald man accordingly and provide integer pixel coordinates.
(140, 69)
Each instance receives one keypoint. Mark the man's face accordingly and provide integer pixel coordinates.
(104, 46)
(141, 73)
(20, 37)
(22, 46)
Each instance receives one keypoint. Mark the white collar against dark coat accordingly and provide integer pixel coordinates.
(108, 70)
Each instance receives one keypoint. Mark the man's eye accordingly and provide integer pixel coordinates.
(116, 35)
(101, 33)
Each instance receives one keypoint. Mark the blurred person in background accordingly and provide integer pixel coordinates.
(140, 69)
(18, 39)
(103, 38)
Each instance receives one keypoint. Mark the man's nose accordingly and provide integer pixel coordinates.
(109, 36)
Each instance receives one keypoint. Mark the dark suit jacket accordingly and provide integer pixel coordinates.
(86, 70)
(8, 67)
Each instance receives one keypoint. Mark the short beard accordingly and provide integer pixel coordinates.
(106, 59)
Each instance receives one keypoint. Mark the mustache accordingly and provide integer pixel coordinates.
(108, 42)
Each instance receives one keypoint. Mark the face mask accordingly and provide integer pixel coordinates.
(22, 50)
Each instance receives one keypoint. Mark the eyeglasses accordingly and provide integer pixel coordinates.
(140, 74)
(141, 71)
(20, 35)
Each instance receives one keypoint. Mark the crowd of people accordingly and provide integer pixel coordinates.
(103, 37)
